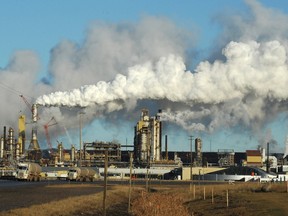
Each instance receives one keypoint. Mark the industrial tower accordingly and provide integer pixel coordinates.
(147, 138)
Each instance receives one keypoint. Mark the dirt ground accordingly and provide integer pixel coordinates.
(87, 199)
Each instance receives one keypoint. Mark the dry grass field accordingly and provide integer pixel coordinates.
(243, 199)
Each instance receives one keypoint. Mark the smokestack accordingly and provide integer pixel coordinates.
(2, 148)
(17, 149)
(34, 113)
(72, 156)
(267, 162)
(60, 152)
(166, 147)
(11, 141)
(160, 132)
(5, 141)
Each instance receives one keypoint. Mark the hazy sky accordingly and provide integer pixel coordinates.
(217, 69)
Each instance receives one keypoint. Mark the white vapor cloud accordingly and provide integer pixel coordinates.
(238, 90)
(118, 68)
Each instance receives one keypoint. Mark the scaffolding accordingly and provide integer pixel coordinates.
(226, 157)
(94, 153)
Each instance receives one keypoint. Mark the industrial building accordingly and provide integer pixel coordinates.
(148, 152)
(147, 139)
(254, 158)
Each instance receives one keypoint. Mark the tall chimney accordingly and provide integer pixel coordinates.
(166, 148)
(267, 162)
(160, 131)
(4, 137)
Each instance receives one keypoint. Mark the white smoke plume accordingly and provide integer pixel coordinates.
(237, 90)
(106, 49)
(123, 67)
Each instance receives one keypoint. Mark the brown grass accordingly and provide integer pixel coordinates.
(159, 204)
(80, 205)
(245, 199)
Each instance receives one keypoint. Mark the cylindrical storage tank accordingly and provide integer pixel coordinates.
(86, 171)
(35, 168)
(2, 148)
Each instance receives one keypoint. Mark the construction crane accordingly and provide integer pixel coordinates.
(33, 109)
(50, 123)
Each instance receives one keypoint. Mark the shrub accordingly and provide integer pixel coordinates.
(149, 204)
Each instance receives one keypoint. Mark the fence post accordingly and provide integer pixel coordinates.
(204, 193)
(227, 198)
(105, 182)
(212, 195)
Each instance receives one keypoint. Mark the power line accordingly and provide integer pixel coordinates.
(12, 90)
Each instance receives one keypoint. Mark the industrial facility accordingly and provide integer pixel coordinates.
(147, 139)
(148, 154)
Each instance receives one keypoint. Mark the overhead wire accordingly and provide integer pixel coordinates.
(14, 91)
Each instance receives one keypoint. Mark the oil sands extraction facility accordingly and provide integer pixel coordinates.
(149, 154)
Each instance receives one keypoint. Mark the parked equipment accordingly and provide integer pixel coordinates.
(28, 171)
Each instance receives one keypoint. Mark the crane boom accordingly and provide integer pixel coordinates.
(33, 109)
(46, 126)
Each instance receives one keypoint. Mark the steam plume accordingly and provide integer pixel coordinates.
(243, 85)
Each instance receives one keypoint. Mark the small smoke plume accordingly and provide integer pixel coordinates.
(286, 147)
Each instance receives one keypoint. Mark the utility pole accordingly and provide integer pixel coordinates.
(191, 158)
(80, 136)
(105, 182)
(130, 180)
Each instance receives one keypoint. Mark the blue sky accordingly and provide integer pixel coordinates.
(40, 26)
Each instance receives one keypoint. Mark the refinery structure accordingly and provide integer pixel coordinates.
(149, 151)
(147, 139)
